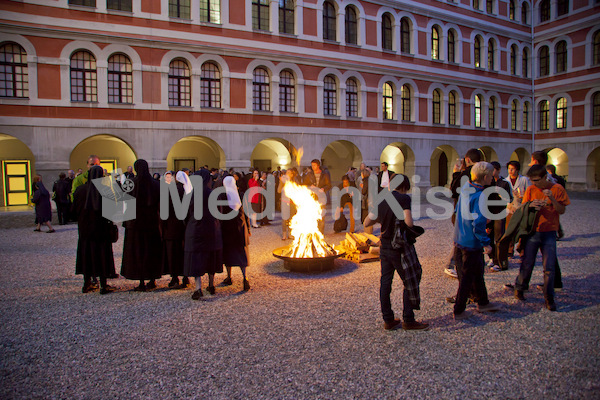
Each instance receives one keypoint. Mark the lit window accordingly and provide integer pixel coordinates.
(511, 10)
(451, 46)
(452, 108)
(513, 59)
(388, 101)
(14, 77)
(89, 3)
(491, 50)
(492, 113)
(435, 43)
(477, 52)
(561, 113)
(544, 115)
(210, 11)
(406, 102)
(513, 115)
(478, 102)
(437, 104)
(84, 80)
(179, 9)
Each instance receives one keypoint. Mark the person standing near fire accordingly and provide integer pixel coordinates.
(318, 179)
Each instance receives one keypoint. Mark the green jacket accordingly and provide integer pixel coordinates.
(79, 180)
(522, 224)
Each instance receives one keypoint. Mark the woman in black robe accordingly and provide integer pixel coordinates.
(142, 247)
(203, 243)
(172, 230)
(43, 208)
(235, 233)
(94, 248)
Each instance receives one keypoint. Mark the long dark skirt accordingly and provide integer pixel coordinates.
(142, 255)
(172, 258)
(200, 263)
(236, 256)
(94, 258)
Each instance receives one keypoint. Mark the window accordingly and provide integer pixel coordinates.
(287, 92)
(561, 56)
(562, 7)
(437, 103)
(210, 11)
(210, 86)
(526, 116)
(89, 3)
(596, 50)
(120, 79)
(14, 77)
(492, 113)
(451, 46)
(489, 6)
(388, 101)
(405, 35)
(491, 50)
(260, 15)
(476, 4)
(286, 16)
(329, 21)
(261, 90)
(179, 9)
(511, 10)
(120, 5)
(525, 63)
(435, 43)
(513, 59)
(329, 96)
(452, 108)
(351, 26)
(544, 115)
(180, 84)
(386, 32)
(351, 98)
(406, 103)
(84, 80)
(596, 109)
(561, 113)
(524, 13)
(478, 101)
(514, 107)
(544, 10)
(477, 51)
(544, 61)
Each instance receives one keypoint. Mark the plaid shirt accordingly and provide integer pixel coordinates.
(410, 273)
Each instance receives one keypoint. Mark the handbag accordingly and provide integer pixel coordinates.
(341, 224)
(114, 233)
(399, 241)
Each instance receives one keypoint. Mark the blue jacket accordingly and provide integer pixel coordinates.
(470, 233)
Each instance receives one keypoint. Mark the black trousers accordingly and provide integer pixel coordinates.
(469, 267)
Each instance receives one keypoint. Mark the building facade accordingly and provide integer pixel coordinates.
(241, 83)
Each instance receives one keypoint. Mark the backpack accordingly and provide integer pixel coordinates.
(341, 224)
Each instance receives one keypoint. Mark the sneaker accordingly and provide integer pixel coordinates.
(451, 272)
(392, 325)
(489, 307)
(463, 315)
(451, 299)
(415, 326)
(495, 268)
(519, 295)
(197, 295)
(490, 263)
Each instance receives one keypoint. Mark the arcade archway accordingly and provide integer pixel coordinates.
(522, 156)
(338, 157)
(272, 153)
(489, 154)
(193, 152)
(593, 170)
(560, 160)
(113, 153)
(400, 158)
(17, 168)
(442, 161)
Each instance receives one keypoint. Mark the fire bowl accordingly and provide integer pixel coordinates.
(313, 264)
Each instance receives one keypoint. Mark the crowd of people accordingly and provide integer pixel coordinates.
(192, 248)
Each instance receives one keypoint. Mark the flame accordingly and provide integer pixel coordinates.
(308, 240)
(299, 155)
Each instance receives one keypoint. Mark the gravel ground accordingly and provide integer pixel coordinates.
(293, 335)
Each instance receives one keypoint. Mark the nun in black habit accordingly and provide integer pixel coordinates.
(203, 242)
(94, 248)
(172, 230)
(142, 248)
(43, 208)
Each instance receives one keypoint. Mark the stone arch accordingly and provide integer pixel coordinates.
(273, 153)
(522, 156)
(338, 156)
(489, 154)
(192, 152)
(559, 158)
(400, 157)
(442, 162)
(18, 167)
(593, 170)
(109, 148)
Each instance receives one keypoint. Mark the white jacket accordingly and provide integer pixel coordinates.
(520, 186)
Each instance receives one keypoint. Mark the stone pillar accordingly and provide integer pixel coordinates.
(577, 179)
(418, 169)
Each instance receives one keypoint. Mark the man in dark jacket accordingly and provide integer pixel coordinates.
(496, 227)
(62, 198)
(383, 177)
(320, 179)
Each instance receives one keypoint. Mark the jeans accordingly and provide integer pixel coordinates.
(546, 243)
(390, 262)
(469, 267)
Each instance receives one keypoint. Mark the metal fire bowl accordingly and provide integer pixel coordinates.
(314, 264)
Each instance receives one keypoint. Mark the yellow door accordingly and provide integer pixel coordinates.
(16, 176)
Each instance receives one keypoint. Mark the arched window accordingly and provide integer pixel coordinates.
(286, 16)
(596, 109)
(478, 102)
(511, 10)
(477, 51)
(351, 26)
(210, 11)
(351, 98)
(451, 46)
(544, 115)
(525, 64)
(436, 107)
(179, 9)
(120, 79)
(452, 97)
(544, 10)
(329, 21)
(561, 113)
(525, 13)
(544, 61)
(260, 15)
(561, 56)
(287, 92)
(491, 51)
(261, 90)
(489, 6)
(406, 102)
(84, 79)
(476, 4)
(492, 113)
(513, 59)
(435, 43)
(180, 84)
(526, 112)
(329, 96)
(596, 49)
(388, 101)
(562, 7)
(405, 35)
(386, 31)
(514, 107)
(14, 76)
(210, 86)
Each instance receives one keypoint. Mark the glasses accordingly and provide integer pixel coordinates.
(536, 180)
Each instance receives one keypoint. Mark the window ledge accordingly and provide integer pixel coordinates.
(180, 20)
(262, 112)
(263, 31)
(288, 113)
(390, 121)
(406, 121)
(119, 12)
(332, 116)
(82, 7)
(288, 35)
(212, 109)
(353, 118)
(354, 45)
(330, 41)
(180, 107)
(389, 51)
(14, 100)
(121, 105)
